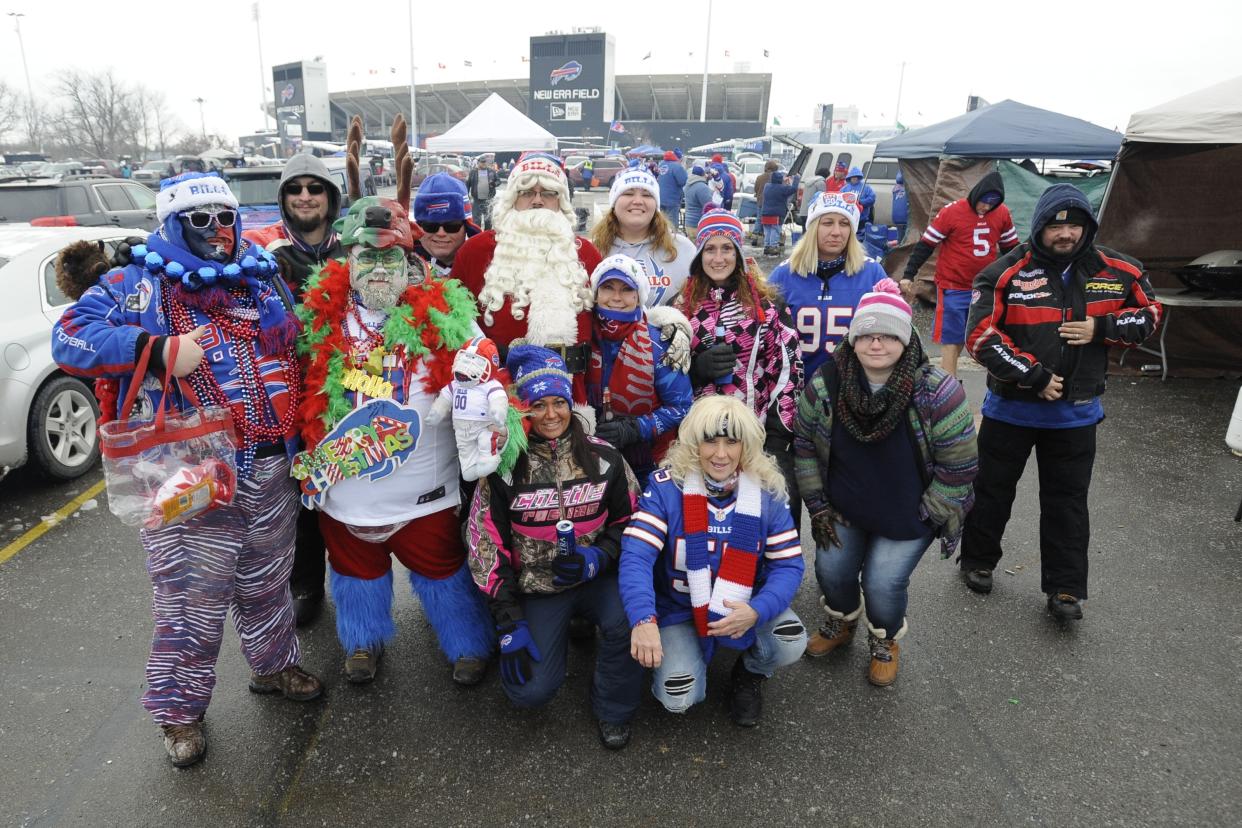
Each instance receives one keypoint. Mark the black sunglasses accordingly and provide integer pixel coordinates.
(314, 188)
(434, 226)
(201, 219)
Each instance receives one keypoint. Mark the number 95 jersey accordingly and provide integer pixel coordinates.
(821, 309)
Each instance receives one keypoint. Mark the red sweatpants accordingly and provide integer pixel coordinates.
(430, 545)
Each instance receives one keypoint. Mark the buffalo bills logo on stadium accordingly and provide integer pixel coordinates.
(570, 71)
(286, 93)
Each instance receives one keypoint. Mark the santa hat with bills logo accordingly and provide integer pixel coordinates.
(539, 167)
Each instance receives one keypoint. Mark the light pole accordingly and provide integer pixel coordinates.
(413, 98)
(707, 51)
(258, 33)
(202, 122)
(17, 24)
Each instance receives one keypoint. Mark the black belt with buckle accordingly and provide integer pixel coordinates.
(577, 357)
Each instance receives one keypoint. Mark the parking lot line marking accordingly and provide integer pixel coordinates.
(37, 531)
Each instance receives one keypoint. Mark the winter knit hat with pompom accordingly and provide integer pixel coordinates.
(882, 311)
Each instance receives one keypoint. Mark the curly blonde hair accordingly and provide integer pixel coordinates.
(805, 256)
(712, 416)
(609, 230)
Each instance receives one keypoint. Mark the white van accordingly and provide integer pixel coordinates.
(879, 173)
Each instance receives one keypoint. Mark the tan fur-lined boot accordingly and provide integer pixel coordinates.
(837, 631)
(883, 669)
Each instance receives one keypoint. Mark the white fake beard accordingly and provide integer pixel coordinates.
(536, 265)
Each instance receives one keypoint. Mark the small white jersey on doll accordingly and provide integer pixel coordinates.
(479, 406)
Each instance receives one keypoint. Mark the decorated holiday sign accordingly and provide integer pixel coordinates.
(371, 443)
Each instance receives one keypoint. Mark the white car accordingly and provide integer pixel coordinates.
(46, 416)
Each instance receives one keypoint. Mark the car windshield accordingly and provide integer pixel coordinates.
(255, 189)
(26, 203)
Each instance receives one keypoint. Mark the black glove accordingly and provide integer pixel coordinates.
(619, 431)
(517, 651)
(824, 530)
(578, 567)
(124, 251)
(711, 364)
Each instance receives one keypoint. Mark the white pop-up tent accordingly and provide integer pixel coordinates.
(1173, 197)
(493, 126)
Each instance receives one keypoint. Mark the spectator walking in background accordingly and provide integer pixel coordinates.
(777, 195)
(769, 167)
(866, 196)
(672, 178)
(698, 196)
(482, 185)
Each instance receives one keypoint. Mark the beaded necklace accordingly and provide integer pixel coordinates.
(257, 423)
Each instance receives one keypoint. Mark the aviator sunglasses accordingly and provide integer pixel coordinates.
(201, 219)
(434, 226)
(314, 188)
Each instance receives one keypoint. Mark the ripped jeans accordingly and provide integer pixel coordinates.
(680, 682)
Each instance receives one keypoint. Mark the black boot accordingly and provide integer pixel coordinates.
(979, 580)
(746, 702)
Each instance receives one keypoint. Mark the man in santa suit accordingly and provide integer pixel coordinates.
(530, 272)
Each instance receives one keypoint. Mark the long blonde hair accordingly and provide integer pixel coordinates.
(805, 256)
(710, 417)
(606, 232)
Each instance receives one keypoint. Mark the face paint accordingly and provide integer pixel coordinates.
(212, 243)
(378, 276)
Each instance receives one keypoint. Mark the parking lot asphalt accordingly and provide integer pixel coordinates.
(999, 716)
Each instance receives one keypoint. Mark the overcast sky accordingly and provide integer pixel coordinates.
(1099, 60)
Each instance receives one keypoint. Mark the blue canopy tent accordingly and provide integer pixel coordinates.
(644, 150)
(941, 162)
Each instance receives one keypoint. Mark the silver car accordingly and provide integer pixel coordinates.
(46, 416)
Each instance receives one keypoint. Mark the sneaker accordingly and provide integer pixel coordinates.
(362, 664)
(469, 671)
(1064, 607)
(883, 669)
(185, 743)
(834, 633)
(614, 736)
(746, 701)
(979, 580)
(294, 683)
(306, 607)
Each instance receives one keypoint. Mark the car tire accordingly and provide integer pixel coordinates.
(62, 438)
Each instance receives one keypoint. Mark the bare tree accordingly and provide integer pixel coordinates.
(35, 117)
(10, 109)
(99, 110)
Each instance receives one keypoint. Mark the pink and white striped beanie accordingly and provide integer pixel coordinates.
(882, 311)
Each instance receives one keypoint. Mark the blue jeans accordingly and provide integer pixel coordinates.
(680, 682)
(617, 686)
(673, 214)
(883, 566)
(771, 235)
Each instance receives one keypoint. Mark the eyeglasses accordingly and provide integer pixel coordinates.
(883, 339)
(201, 219)
(545, 195)
(294, 188)
(434, 226)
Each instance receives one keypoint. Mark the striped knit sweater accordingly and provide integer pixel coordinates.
(943, 428)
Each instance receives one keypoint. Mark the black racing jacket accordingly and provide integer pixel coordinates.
(1020, 301)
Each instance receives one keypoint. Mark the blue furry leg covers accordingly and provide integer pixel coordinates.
(363, 610)
(457, 613)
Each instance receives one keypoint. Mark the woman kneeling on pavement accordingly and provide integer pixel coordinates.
(638, 400)
(635, 227)
(885, 458)
(533, 587)
(742, 344)
(714, 528)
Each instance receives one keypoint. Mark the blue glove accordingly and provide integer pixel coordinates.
(517, 651)
(578, 567)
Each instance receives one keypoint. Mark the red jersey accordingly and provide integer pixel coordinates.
(968, 242)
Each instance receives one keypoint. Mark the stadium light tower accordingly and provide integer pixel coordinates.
(202, 122)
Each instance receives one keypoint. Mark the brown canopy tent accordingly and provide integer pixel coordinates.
(1174, 196)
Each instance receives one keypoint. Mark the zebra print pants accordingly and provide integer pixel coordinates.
(239, 558)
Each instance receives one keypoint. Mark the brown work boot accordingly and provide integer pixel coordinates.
(469, 671)
(294, 683)
(362, 664)
(834, 633)
(185, 743)
(883, 669)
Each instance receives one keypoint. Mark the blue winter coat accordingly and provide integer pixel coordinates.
(777, 193)
(672, 179)
(698, 197)
(866, 195)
